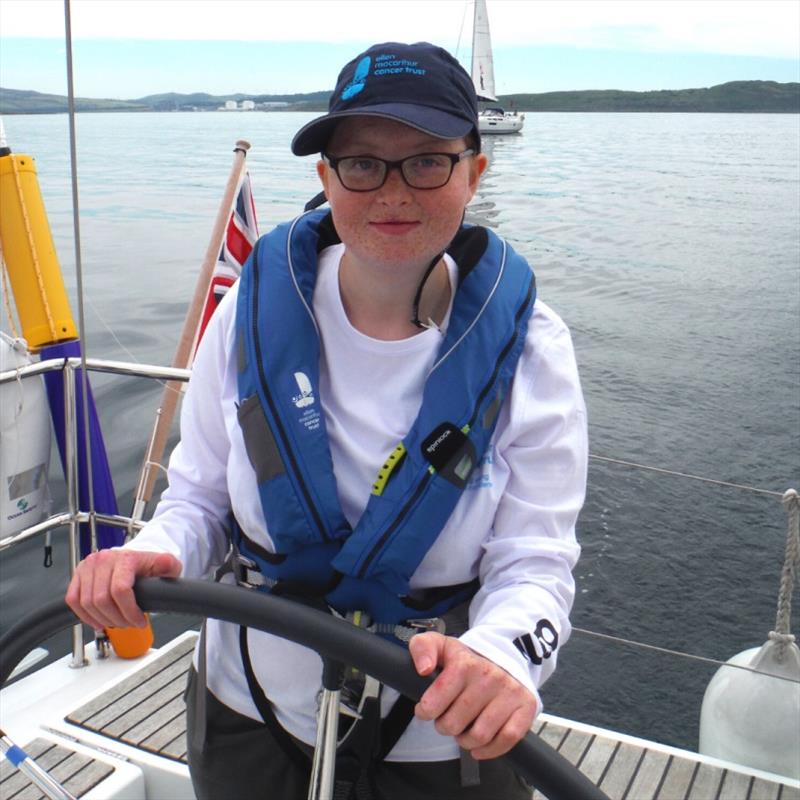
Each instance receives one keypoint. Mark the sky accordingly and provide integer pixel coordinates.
(132, 48)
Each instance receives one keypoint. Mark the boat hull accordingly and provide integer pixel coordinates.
(494, 123)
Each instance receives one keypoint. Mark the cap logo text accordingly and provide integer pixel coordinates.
(391, 65)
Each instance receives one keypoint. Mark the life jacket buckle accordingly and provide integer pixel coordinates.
(426, 624)
(246, 572)
(403, 631)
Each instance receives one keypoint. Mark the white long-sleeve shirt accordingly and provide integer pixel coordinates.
(514, 526)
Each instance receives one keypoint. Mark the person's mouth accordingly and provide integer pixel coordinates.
(394, 227)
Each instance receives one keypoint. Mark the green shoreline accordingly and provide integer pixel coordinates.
(764, 97)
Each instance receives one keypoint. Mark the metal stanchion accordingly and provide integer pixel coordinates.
(323, 767)
(71, 462)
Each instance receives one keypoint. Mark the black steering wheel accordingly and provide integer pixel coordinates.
(333, 638)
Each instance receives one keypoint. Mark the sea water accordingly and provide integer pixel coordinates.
(670, 244)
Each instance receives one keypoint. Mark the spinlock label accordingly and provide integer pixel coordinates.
(450, 452)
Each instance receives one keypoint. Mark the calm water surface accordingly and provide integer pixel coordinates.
(671, 246)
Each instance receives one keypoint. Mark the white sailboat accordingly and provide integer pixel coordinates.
(494, 119)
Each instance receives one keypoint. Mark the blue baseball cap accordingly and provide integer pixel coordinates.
(420, 85)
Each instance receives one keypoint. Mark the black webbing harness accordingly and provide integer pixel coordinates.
(364, 741)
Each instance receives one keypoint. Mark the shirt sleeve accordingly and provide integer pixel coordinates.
(191, 519)
(519, 618)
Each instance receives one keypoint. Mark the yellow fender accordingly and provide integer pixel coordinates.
(30, 256)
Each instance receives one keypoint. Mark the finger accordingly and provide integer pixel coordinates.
(507, 735)
(121, 590)
(456, 719)
(450, 682)
(476, 721)
(165, 565)
(109, 588)
(426, 650)
(487, 691)
(95, 571)
(73, 600)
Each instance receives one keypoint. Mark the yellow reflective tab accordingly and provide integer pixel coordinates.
(385, 472)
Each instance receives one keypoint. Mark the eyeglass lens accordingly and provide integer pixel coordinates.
(424, 171)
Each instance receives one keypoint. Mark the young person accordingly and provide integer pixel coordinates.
(383, 415)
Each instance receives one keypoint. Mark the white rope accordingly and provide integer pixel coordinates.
(460, 30)
(110, 331)
(687, 475)
(164, 383)
(782, 633)
(680, 654)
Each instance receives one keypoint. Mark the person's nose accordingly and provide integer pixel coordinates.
(395, 188)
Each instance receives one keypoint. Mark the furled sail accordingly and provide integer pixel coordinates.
(482, 65)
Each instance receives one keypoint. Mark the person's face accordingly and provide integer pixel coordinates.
(397, 226)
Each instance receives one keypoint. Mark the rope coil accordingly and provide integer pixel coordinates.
(782, 633)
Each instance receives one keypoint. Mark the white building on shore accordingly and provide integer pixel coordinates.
(232, 105)
(250, 105)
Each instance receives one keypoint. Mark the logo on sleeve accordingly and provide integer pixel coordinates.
(540, 644)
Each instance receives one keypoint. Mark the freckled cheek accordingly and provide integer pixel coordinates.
(349, 220)
(444, 213)
(441, 227)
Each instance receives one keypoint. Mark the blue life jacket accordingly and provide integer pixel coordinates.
(368, 567)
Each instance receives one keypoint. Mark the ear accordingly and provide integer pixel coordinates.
(324, 172)
(477, 167)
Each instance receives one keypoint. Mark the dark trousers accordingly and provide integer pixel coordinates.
(242, 760)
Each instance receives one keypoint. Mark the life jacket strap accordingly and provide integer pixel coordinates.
(246, 568)
(279, 733)
(358, 751)
(254, 567)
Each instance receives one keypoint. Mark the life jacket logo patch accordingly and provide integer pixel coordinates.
(306, 396)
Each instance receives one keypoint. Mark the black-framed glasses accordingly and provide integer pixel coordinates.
(422, 171)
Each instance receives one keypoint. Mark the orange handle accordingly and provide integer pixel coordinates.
(131, 642)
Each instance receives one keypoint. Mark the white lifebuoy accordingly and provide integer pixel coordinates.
(751, 717)
(25, 436)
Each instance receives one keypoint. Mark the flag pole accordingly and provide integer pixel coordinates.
(183, 354)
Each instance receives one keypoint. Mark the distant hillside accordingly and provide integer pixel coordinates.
(16, 101)
(736, 96)
(209, 102)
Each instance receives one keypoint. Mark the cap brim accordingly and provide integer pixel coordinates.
(313, 136)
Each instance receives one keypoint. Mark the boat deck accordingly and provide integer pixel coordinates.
(627, 771)
(146, 711)
(78, 773)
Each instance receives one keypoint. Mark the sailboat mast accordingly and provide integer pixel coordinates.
(482, 64)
